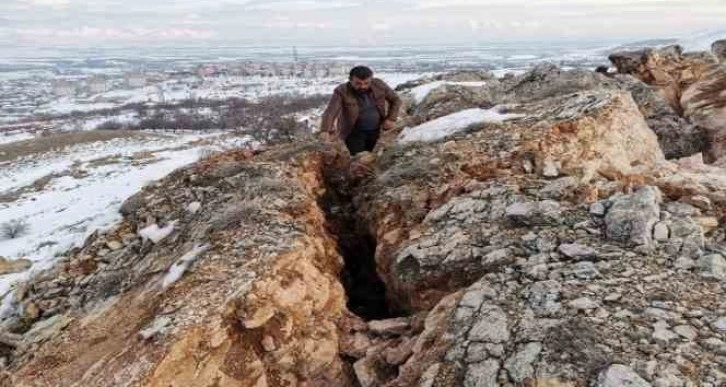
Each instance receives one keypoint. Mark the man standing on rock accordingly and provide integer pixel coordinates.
(359, 109)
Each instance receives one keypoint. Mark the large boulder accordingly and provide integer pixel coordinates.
(677, 136)
(704, 102)
(591, 132)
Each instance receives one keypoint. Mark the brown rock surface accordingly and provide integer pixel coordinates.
(9, 266)
(692, 83)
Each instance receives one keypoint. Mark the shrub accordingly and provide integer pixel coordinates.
(110, 125)
(13, 229)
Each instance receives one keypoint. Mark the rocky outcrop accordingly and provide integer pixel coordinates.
(243, 291)
(668, 69)
(692, 84)
(677, 135)
(559, 248)
(704, 103)
(504, 211)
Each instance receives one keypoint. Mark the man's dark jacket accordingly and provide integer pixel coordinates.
(342, 112)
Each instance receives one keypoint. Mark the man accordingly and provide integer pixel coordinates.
(359, 109)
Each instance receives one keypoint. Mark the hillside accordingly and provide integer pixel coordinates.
(555, 228)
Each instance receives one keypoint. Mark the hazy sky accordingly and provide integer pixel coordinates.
(346, 22)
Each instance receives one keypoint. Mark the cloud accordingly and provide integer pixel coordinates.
(300, 22)
(93, 34)
(299, 5)
(47, 3)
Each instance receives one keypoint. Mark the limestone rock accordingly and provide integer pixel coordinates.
(491, 326)
(519, 365)
(482, 374)
(719, 325)
(660, 232)
(559, 188)
(686, 331)
(544, 297)
(577, 251)
(713, 266)
(534, 213)
(692, 85)
(662, 334)
(612, 135)
(583, 303)
(631, 218)
(585, 270)
(618, 375)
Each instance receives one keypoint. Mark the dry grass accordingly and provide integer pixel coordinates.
(13, 229)
(12, 151)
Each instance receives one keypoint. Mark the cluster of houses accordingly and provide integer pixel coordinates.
(291, 69)
(98, 84)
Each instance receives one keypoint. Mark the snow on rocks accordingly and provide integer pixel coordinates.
(155, 233)
(176, 271)
(445, 126)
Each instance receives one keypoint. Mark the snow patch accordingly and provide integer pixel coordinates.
(6, 306)
(453, 123)
(177, 270)
(155, 233)
(421, 92)
(10, 138)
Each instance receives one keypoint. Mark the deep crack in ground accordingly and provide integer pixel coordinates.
(366, 292)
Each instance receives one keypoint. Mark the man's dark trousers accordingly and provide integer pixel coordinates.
(362, 141)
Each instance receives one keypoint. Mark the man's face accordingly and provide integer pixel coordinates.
(360, 85)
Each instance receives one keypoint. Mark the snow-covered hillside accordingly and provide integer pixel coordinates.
(63, 196)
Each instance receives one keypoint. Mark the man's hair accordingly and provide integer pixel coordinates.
(361, 72)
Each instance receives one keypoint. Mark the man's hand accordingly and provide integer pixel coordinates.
(388, 125)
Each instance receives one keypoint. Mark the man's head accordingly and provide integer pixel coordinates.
(360, 78)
